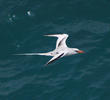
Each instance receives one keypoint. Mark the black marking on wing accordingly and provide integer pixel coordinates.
(60, 42)
(52, 34)
(55, 58)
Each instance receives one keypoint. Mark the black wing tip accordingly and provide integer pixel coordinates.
(55, 34)
(47, 64)
(52, 34)
(54, 60)
(48, 34)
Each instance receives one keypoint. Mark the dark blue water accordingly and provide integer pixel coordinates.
(80, 77)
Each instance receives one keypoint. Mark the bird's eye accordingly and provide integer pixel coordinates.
(76, 50)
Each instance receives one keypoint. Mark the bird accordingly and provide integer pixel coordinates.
(61, 49)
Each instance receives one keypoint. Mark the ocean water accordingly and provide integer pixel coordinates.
(79, 77)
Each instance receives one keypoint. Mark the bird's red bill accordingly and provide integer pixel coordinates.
(80, 51)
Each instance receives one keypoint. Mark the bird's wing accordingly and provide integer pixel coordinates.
(61, 41)
(55, 58)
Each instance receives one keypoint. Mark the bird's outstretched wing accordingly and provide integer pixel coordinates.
(55, 58)
(61, 41)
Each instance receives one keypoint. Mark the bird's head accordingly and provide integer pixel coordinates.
(76, 51)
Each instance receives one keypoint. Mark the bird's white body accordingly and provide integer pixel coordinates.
(61, 49)
(66, 51)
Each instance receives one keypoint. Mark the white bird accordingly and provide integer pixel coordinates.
(61, 49)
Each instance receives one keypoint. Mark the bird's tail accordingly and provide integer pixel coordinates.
(34, 54)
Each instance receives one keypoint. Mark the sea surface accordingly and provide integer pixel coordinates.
(79, 77)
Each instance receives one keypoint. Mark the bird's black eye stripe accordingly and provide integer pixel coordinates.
(76, 50)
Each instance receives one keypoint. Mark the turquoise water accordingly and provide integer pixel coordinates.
(80, 77)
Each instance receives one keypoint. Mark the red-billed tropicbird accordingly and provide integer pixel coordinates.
(61, 49)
